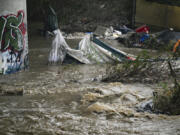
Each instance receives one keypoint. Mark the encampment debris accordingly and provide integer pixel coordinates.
(90, 50)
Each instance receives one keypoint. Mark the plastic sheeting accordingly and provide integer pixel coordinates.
(92, 52)
(58, 50)
(88, 52)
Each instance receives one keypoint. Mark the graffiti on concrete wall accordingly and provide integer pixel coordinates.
(12, 42)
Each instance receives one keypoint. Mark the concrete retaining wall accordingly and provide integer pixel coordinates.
(157, 14)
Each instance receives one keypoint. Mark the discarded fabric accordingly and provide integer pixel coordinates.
(90, 50)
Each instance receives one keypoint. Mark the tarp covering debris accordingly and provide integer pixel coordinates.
(90, 51)
(167, 35)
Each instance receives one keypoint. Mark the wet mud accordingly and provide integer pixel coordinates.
(71, 99)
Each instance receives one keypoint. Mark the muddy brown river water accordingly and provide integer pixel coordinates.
(70, 99)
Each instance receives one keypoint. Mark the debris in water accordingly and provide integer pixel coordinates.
(58, 51)
(146, 106)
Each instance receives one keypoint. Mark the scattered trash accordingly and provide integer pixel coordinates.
(176, 46)
(144, 29)
(140, 37)
(164, 39)
(107, 33)
(75, 35)
(95, 51)
(101, 31)
(146, 106)
(124, 30)
(133, 38)
(90, 50)
(167, 35)
(144, 37)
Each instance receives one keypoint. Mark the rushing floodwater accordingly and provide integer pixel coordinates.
(71, 100)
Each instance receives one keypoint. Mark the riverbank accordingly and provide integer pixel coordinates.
(72, 99)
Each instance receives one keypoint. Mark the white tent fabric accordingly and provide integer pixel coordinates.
(88, 52)
(58, 50)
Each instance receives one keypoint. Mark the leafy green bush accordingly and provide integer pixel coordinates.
(168, 100)
(140, 70)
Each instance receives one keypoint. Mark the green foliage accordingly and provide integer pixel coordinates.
(168, 99)
(138, 64)
(132, 71)
(164, 85)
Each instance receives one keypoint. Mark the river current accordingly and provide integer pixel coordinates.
(70, 99)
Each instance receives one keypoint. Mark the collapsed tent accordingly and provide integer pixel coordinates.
(90, 50)
(167, 36)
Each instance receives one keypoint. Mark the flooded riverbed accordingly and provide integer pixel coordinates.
(70, 99)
